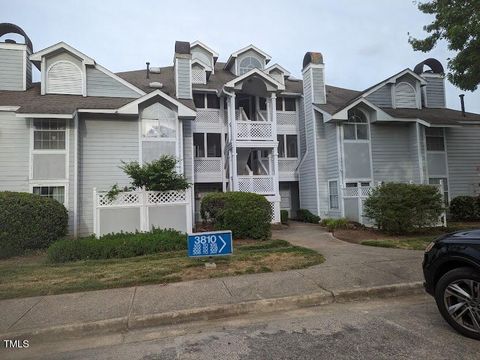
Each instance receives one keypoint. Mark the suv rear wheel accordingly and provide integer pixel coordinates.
(457, 294)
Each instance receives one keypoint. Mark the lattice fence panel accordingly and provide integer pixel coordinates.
(198, 76)
(213, 165)
(285, 118)
(165, 197)
(287, 165)
(122, 199)
(208, 116)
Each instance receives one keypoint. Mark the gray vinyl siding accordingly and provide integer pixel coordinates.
(414, 152)
(307, 170)
(332, 172)
(11, 69)
(435, 91)
(382, 97)
(321, 139)
(463, 152)
(71, 174)
(29, 74)
(392, 153)
(101, 84)
(188, 149)
(184, 82)
(103, 144)
(14, 152)
(318, 80)
(301, 127)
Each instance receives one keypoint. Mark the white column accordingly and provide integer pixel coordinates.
(273, 107)
(233, 134)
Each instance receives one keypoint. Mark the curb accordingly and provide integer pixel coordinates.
(124, 324)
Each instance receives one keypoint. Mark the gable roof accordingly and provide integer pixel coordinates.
(277, 66)
(37, 57)
(234, 55)
(253, 72)
(202, 45)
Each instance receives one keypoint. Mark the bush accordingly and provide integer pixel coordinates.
(465, 208)
(306, 216)
(402, 208)
(29, 221)
(334, 224)
(284, 216)
(248, 215)
(121, 245)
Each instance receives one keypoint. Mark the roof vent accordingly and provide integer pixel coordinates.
(156, 85)
(182, 47)
(7, 28)
(10, 41)
(155, 70)
(434, 65)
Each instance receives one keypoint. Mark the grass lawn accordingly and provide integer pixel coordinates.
(371, 237)
(32, 275)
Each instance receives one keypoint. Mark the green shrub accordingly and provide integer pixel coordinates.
(248, 215)
(29, 221)
(402, 208)
(306, 216)
(334, 224)
(465, 208)
(121, 245)
(284, 216)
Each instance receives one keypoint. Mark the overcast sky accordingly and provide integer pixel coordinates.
(363, 42)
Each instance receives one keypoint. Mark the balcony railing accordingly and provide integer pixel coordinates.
(208, 169)
(259, 184)
(254, 130)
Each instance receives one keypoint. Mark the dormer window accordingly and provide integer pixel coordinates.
(249, 63)
(64, 77)
(405, 96)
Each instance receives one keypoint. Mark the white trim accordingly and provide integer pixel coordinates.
(397, 85)
(119, 79)
(420, 157)
(9, 108)
(24, 75)
(278, 67)
(392, 80)
(446, 163)
(132, 107)
(234, 55)
(98, 111)
(233, 82)
(75, 176)
(202, 45)
(343, 113)
(44, 116)
(62, 45)
(43, 74)
(4, 45)
(330, 208)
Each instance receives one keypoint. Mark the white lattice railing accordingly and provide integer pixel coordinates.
(259, 184)
(208, 166)
(362, 191)
(140, 198)
(208, 116)
(286, 165)
(254, 130)
(286, 118)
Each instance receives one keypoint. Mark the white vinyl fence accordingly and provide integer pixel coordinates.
(141, 210)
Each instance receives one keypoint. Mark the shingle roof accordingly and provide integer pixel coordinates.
(31, 101)
(434, 116)
(337, 98)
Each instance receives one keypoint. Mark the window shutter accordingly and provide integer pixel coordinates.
(405, 96)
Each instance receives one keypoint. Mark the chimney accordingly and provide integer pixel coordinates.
(462, 103)
(148, 70)
(183, 70)
(433, 94)
(314, 78)
(15, 64)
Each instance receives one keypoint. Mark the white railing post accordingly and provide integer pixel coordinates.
(189, 209)
(95, 214)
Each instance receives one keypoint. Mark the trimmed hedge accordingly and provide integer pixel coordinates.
(465, 208)
(334, 224)
(29, 221)
(248, 215)
(121, 245)
(284, 216)
(399, 208)
(306, 216)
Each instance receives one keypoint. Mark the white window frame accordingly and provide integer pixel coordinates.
(356, 140)
(283, 105)
(247, 69)
(65, 151)
(443, 138)
(52, 183)
(205, 101)
(330, 195)
(205, 146)
(285, 147)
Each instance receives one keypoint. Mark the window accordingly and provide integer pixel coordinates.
(49, 134)
(248, 64)
(64, 77)
(405, 96)
(214, 147)
(279, 104)
(199, 144)
(207, 145)
(333, 194)
(436, 181)
(356, 127)
(199, 100)
(290, 104)
(263, 103)
(281, 145)
(292, 146)
(434, 139)
(162, 127)
(54, 192)
(213, 101)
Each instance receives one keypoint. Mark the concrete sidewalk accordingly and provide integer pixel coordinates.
(347, 267)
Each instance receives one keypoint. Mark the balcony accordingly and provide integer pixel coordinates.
(208, 169)
(259, 184)
(254, 131)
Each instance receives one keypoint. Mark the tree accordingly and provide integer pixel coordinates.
(458, 23)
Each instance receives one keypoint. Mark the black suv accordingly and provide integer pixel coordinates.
(451, 267)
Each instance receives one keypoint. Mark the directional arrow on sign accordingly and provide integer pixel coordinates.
(224, 244)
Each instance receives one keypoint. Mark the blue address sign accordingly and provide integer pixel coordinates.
(213, 243)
